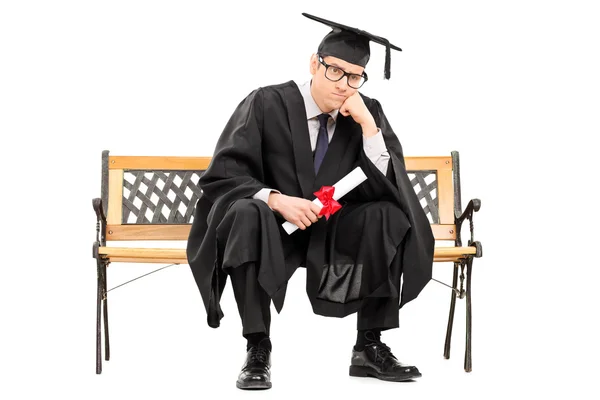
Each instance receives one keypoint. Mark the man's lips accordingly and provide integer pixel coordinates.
(338, 95)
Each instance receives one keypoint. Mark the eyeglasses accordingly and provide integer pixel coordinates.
(335, 74)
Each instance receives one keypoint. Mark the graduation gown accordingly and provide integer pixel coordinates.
(266, 144)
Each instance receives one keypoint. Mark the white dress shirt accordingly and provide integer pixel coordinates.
(374, 146)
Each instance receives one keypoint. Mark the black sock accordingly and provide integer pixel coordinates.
(260, 339)
(366, 336)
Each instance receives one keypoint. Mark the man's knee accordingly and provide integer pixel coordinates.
(240, 231)
(384, 211)
(246, 211)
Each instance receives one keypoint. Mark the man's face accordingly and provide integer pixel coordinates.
(327, 94)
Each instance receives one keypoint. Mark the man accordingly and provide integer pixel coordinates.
(283, 143)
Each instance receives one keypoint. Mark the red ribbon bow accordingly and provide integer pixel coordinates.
(330, 205)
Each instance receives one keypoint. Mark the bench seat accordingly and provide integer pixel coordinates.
(178, 256)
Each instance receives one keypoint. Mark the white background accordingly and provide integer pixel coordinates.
(512, 85)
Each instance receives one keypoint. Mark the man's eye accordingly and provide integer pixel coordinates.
(335, 70)
(354, 78)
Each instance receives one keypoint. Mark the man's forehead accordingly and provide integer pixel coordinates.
(346, 66)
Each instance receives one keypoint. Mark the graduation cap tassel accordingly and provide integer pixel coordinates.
(388, 60)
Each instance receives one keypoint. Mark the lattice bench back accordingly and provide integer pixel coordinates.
(153, 198)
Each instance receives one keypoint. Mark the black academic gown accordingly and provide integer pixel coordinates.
(266, 144)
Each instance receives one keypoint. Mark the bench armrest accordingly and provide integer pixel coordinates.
(97, 204)
(100, 224)
(473, 206)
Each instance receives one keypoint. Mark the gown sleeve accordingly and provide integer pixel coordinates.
(380, 185)
(236, 169)
(235, 172)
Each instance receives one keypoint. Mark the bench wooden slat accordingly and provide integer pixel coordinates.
(201, 163)
(141, 252)
(115, 199)
(428, 163)
(149, 260)
(161, 163)
(445, 192)
(181, 232)
(147, 232)
(184, 261)
(454, 251)
(444, 232)
(164, 255)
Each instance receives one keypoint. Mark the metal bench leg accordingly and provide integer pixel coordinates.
(468, 362)
(105, 301)
(451, 316)
(98, 332)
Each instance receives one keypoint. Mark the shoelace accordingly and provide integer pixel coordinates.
(258, 354)
(382, 351)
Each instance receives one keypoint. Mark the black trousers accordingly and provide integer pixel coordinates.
(254, 303)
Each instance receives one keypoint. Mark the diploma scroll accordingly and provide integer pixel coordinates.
(342, 187)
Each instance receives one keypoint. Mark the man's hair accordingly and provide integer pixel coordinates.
(322, 56)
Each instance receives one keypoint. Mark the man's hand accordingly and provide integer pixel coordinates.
(356, 108)
(298, 211)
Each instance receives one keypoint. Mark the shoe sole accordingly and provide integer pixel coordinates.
(366, 372)
(253, 385)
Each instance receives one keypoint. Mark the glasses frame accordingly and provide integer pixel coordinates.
(346, 74)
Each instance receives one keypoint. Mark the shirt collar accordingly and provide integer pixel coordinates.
(312, 109)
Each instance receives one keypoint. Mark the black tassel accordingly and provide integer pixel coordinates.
(388, 60)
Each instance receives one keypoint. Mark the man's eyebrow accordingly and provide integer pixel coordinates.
(337, 66)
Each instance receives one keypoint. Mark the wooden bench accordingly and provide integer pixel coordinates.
(153, 198)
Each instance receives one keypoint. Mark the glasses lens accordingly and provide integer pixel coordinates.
(355, 81)
(334, 73)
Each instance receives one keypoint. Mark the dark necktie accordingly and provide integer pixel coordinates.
(322, 141)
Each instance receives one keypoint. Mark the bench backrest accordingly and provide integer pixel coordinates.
(153, 198)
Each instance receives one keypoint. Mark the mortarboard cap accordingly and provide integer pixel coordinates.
(351, 44)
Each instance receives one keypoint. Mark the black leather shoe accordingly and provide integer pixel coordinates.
(377, 361)
(256, 372)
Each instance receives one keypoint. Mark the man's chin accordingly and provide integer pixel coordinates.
(336, 104)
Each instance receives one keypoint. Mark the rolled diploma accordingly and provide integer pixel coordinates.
(343, 186)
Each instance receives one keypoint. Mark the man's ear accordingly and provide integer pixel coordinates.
(314, 64)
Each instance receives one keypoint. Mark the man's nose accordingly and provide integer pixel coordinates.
(342, 84)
